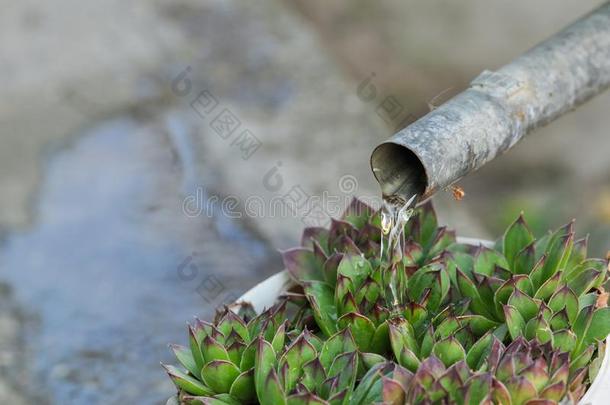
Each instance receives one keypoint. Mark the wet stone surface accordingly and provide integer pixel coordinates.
(112, 267)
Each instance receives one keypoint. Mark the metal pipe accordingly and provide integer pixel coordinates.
(497, 110)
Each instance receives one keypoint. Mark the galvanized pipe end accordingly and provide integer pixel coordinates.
(496, 111)
(399, 171)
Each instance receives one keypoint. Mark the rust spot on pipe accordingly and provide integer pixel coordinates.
(457, 192)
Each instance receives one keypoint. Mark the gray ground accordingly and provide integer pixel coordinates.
(99, 154)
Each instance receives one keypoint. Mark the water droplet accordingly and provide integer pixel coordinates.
(386, 222)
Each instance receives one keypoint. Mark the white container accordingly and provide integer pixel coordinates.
(264, 294)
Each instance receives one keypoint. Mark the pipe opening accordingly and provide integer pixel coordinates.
(399, 171)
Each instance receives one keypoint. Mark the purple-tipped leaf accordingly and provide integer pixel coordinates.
(303, 264)
(243, 387)
(449, 351)
(514, 321)
(185, 357)
(186, 382)
(516, 238)
(361, 327)
(219, 375)
(521, 390)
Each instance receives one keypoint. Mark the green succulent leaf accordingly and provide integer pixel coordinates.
(521, 390)
(280, 336)
(231, 322)
(369, 389)
(392, 391)
(486, 261)
(266, 381)
(235, 351)
(478, 351)
(479, 325)
(565, 298)
(265, 360)
(196, 336)
(416, 314)
(479, 387)
(487, 287)
(272, 392)
(560, 320)
(339, 230)
(372, 359)
(303, 264)
(584, 281)
(321, 298)
(595, 365)
(185, 357)
(597, 264)
(345, 367)
(220, 399)
(538, 272)
(442, 240)
(301, 351)
(357, 213)
(447, 327)
(547, 289)
(503, 293)
(402, 336)
(524, 261)
(432, 278)
(534, 325)
(361, 327)
(339, 343)
(381, 339)
(315, 234)
(517, 237)
(213, 350)
(581, 360)
(514, 321)
(592, 325)
(564, 340)
(370, 290)
(466, 286)
(558, 253)
(187, 383)
(313, 374)
(527, 307)
(553, 392)
(545, 335)
(219, 375)
(587, 300)
(243, 387)
(464, 261)
(356, 268)
(428, 225)
(449, 351)
(579, 252)
(305, 398)
(407, 359)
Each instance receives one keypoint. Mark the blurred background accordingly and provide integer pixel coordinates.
(144, 146)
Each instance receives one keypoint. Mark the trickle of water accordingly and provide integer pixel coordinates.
(393, 221)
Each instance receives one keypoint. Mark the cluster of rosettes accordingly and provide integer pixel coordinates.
(425, 321)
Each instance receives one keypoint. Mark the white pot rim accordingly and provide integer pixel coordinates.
(264, 295)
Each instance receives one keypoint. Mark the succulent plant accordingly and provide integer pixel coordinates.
(351, 282)
(544, 289)
(433, 321)
(222, 354)
(527, 373)
(437, 293)
(307, 371)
